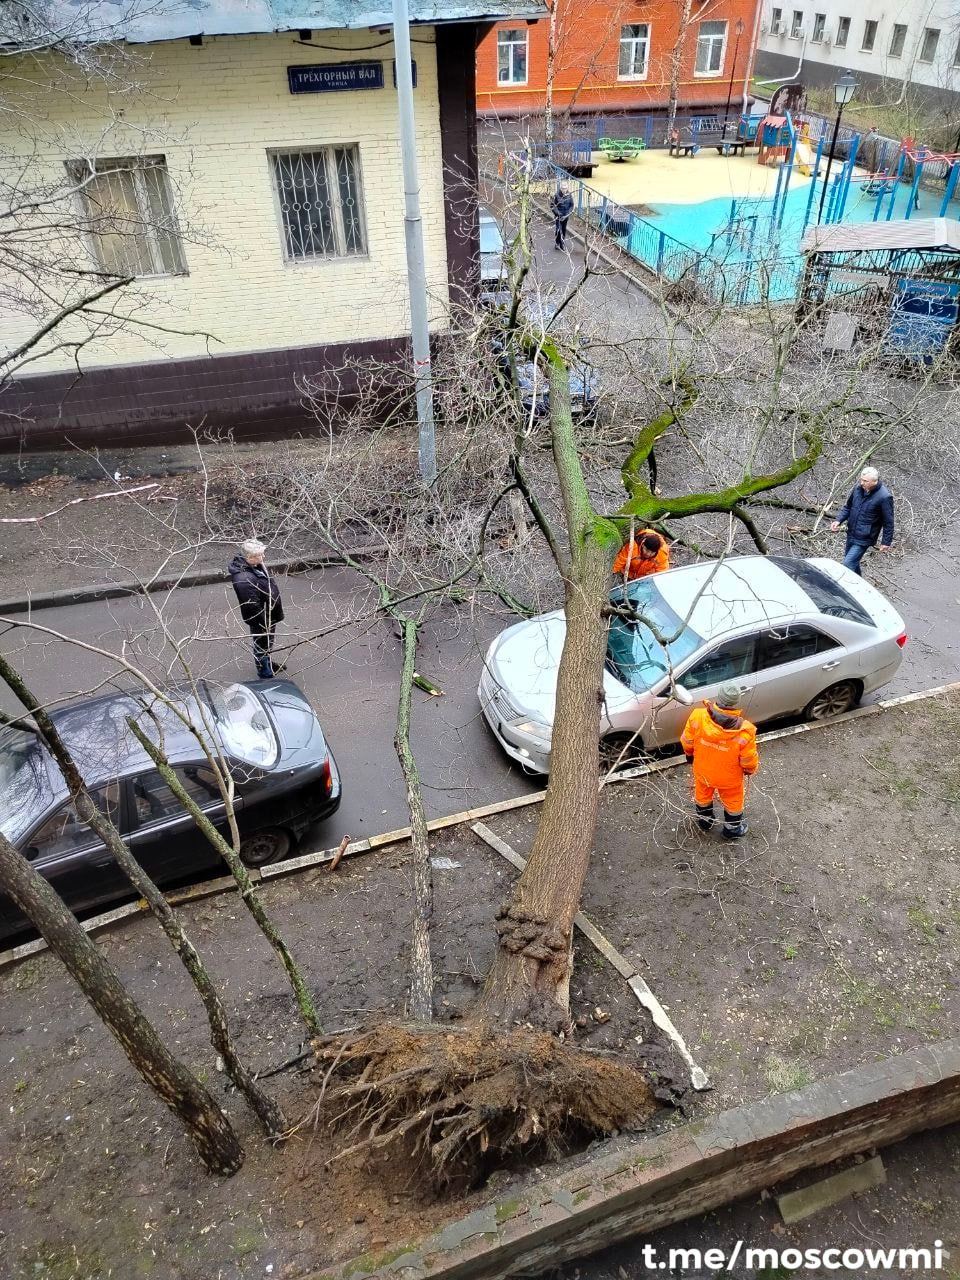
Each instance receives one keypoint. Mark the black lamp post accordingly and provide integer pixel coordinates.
(843, 91)
(739, 29)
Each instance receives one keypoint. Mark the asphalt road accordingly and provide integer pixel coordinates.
(351, 675)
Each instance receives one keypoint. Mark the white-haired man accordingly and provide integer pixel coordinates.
(260, 605)
(868, 515)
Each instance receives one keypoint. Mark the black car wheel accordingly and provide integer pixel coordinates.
(833, 701)
(625, 745)
(263, 847)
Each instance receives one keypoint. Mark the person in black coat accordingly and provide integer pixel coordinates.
(868, 515)
(260, 605)
(561, 206)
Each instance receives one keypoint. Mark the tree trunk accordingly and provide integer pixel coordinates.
(421, 963)
(676, 65)
(529, 977)
(551, 69)
(263, 1106)
(207, 1125)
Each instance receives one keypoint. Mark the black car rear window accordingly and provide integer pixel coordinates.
(829, 597)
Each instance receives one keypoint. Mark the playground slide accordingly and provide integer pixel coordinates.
(804, 158)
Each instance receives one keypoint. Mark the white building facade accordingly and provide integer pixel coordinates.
(885, 44)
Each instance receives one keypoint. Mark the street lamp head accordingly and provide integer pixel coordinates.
(844, 89)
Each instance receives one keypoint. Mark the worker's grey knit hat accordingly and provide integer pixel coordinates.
(728, 697)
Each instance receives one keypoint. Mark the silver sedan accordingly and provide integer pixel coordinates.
(796, 636)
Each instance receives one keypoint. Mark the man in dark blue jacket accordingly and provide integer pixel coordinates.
(868, 515)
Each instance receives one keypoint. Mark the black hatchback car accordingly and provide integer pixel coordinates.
(285, 778)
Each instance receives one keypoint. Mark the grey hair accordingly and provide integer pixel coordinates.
(253, 547)
(869, 473)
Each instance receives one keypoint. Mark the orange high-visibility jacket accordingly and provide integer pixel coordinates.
(640, 568)
(720, 756)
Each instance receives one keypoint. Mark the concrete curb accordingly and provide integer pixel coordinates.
(133, 587)
(682, 1173)
(319, 857)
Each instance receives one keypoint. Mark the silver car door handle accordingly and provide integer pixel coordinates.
(828, 666)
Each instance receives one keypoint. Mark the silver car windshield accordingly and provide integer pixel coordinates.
(634, 654)
(244, 726)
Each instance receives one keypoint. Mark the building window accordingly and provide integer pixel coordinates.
(869, 35)
(898, 39)
(512, 56)
(843, 31)
(776, 21)
(634, 51)
(321, 202)
(129, 215)
(819, 26)
(796, 25)
(928, 49)
(711, 43)
(956, 55)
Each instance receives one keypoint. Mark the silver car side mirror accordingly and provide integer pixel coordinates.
(682, 695)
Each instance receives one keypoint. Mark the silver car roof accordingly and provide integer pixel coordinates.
(717, 597)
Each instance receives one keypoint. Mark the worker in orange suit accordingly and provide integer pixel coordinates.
(722, 747)
(640, 556)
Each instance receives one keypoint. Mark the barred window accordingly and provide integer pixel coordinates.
(321, 202)
(129, 215)
(711, 46)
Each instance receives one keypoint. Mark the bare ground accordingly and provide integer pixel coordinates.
(831, 936)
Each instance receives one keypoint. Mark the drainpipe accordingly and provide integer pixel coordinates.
(752, 60)
(787, 79)
(413, 232)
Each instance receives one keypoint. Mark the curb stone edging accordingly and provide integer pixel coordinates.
(316, 858)
(682, 1173)
(134, 587)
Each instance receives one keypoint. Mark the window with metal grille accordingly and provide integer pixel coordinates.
(129, 215)
(819, 26)
(796, 25)
(512, 55)
(711, 42)
(898, 39)
(776, 21)
(634, 51)
(321, 202)
(931, 38)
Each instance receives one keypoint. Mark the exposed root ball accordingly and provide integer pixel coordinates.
(468, 1095)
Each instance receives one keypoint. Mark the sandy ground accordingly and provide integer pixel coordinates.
(829, 937)
(655, 177)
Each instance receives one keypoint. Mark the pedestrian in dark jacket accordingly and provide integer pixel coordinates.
(868, 515)
(260, 605)
(561, 206)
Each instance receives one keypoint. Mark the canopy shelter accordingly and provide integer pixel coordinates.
(896, 284)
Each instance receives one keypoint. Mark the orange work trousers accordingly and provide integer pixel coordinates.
(731, 794)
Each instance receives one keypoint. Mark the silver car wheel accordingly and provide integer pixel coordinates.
(834, 701)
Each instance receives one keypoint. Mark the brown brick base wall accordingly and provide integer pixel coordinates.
(254, 394)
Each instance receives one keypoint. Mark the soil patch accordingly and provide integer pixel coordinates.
(831, 935)
(827, 937)
(103, 1182)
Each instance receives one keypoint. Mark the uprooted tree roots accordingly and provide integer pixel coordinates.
(462, 1098)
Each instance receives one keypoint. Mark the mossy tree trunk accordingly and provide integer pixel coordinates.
(178, 1088)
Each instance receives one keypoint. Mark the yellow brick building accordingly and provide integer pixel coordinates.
(257, 167)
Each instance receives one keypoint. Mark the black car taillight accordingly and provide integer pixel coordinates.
(327, 776)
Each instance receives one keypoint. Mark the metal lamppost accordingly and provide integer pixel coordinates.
(843, 91)
(739, 29)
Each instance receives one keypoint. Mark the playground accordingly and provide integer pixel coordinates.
(735, 222)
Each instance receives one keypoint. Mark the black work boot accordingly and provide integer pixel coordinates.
(705, 818)
(733, 825)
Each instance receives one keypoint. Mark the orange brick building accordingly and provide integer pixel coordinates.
(617, 56)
